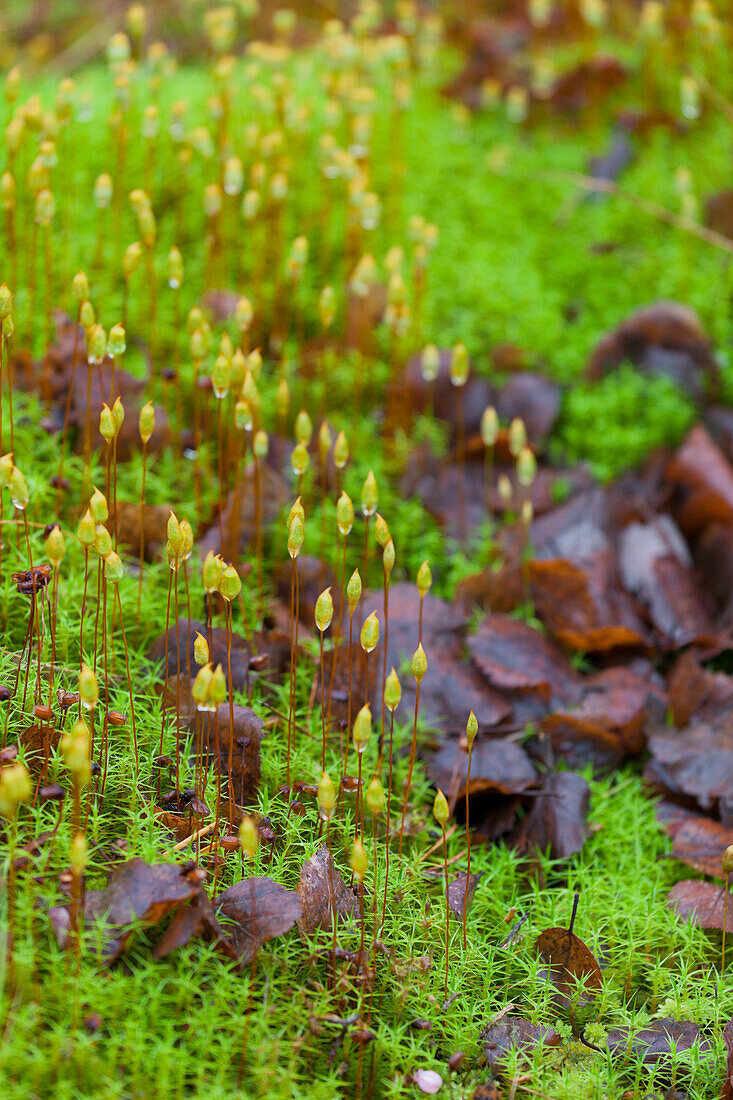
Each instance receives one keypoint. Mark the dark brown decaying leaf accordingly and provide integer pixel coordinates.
(696, 763)
(314, 890)
(701, 470)
(570, 964)
(581, 606)
(659, 1043)
(557, 820)
(273, 652)
(253, 911)
(700, 843)
(189, 921)
(655, 567)
(579, 743)
(514, 1033)
(701, 902)
(536, 400)
(513, 656)
(137, 891)
(457, 892)
(499, 766)
(687, 687)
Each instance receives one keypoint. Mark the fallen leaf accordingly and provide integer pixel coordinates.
(700, 843)
(701, 902)
(513, 656)
(317, 875)
(578, 742)
(502, 767)
(457, 893)
(572, 967)
(665, 337)
(442, 396)
(701, 470)
(655, 567)
(514, 1033)
(696, 763)
(532, 398)
(253, 911)
(142, 892)
(658, 1044)
(581, 605)
(557, 821)
(190, 921)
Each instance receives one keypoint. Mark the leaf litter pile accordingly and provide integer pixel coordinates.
(357, 739)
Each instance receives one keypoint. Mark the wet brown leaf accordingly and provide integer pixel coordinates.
(513, 656)
(501, 767)
(655, 567)
(569, 962)
(514, 1033)
(696, 763)
(314, 889)
(557, 821)
(581, 605)
(253, 911)
(700, 843)
(457, 892)
(688, 686)
(664, 337)
(702, 902)
(137, 891)
(442, 395)
(190, 921)
(532, 398)
(658, 1044)
(701, 469)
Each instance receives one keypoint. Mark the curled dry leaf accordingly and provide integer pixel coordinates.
(457, 892)
(514, 1033)
(701, 902)
(189, 921)
(572, 966)
(314, 890)
(557, 820)
(253, 911)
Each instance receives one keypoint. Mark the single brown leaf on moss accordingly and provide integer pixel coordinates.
(502, 767)
(700, 843)
(189, 921)
(687, 686)
(658, 1044)
(578, 742)
(137, 891)
(701, 902)
(514, 1034)
(557, 820)
(655, 567)
(513, 656)
(253, 911)
(456, 892)
(696, 763)
(570, 964)
(314, 890)
(532, 398)
(581, 606)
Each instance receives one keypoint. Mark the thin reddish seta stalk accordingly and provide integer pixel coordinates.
(389, 806)
(348, 705)
(447, 907)
(142, 533)
(178, 684)
(83, 613)
(258, 538)
(292, 663)
(323, 709)
(461, 448)
(165, 677)
(413, 749)
(228, 621)
(468, 849)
